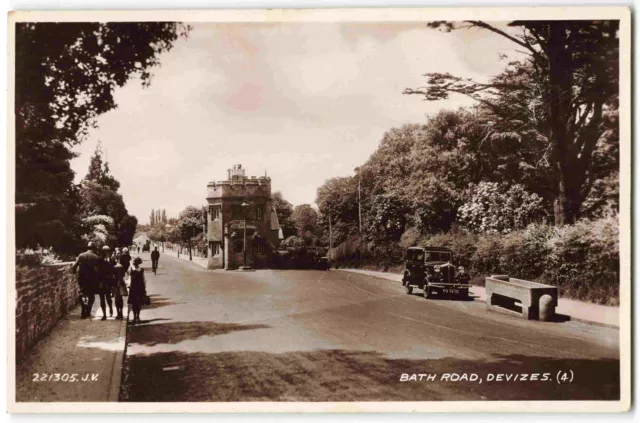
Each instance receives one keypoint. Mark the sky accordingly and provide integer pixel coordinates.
(300, 102)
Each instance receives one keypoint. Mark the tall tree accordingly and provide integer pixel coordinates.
(99, 171)
(305, 220)
(337, 199)
(127, 230)
(562, 90)
(152, 218)
(164, 216)
(65, 76)
(190, 225)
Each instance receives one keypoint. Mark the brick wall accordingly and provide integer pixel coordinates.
(43, 296)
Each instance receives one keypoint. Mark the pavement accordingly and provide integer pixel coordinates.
(576, 310)
(80, 360)
(306, 335)
(200, 261)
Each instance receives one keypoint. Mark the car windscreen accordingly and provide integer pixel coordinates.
(438, 256)
(415, 255)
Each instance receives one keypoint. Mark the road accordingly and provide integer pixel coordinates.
(298, 335)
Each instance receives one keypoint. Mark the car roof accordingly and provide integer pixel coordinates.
(436, 249)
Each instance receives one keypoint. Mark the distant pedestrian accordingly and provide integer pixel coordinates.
(87, 266)
(105, 282)
(137, 289)
(155, 257)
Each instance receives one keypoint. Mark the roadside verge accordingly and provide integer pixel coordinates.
(577, 310)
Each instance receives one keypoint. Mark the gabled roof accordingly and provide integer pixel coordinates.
(275, 224)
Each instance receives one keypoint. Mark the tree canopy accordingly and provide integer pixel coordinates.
(65, 76)
(564, 94)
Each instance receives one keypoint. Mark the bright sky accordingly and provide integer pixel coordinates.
(302, 102)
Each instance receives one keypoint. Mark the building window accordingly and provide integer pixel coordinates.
(260, 248)
(259, 213)
(215, 249)
(214, 212)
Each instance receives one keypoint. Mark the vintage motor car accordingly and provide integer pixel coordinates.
(323, 263)
(430, 269)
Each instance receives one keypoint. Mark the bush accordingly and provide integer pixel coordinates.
(500, 208)
(486, 259)
(38, 257)
(410, 238)
(523, 254)
(584, 260)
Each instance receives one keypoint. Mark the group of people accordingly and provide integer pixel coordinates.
(103, 273)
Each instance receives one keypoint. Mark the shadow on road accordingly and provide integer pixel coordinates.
(158, 301)
(173, 333)
(343, 375)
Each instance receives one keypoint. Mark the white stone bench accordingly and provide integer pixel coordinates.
(538, 301)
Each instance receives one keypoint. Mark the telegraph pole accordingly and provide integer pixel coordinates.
(359, 209)
(330, 235)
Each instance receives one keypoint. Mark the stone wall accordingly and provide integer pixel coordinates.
(43, 296)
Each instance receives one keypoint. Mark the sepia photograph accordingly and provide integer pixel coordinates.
(319, 210)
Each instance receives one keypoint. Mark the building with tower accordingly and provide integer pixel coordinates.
(241, 223)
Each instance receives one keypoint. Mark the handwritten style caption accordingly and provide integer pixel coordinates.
(561, 377)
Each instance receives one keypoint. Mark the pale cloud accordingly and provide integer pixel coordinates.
(303, 102)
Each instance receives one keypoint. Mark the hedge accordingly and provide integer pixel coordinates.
(582, 260)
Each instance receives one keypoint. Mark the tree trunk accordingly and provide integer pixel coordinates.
(563, 156)
(568, 200)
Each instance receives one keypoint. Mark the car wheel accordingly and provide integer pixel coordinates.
(408, 289)
(464, 294)
(427, 292)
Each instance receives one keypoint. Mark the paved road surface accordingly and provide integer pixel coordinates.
(300, 335)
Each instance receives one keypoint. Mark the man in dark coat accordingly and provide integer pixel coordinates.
(125, 259)
(87, 266)
(106, 281)
(155, 257)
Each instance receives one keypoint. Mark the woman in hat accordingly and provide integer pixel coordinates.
(137, 290)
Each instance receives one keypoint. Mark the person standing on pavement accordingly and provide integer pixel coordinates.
(105, 282)
(115, 257)
(125, 259)
(87, 266)
(155, 257)
(120, 289)
(137, 290)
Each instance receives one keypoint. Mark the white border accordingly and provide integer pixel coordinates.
(348, 15)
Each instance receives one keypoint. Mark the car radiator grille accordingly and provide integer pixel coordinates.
(448, 274)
